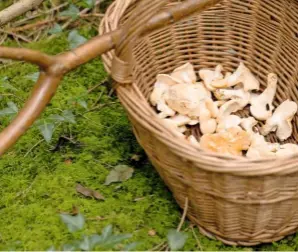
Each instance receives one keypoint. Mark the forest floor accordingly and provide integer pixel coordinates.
(39, 175)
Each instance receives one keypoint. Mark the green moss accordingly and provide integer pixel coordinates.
(36, 186)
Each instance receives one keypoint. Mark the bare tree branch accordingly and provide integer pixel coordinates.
(17, 9)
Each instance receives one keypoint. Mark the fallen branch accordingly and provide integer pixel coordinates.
(17, 9)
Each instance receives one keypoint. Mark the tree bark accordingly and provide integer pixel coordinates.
(17, 9)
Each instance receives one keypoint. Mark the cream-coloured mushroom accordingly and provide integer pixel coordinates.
(232, 141)
(248, 124)
(185, 74)
(245, 76)
(208, 76)
(222, 83)
(237, 93)
(281, 120)
(157, 97)
(231, 121)
(260, 148)
(208, 124)
(287, 149)
(176, 125)
(185, 99)
(193, 140)
(228, 108)
(261, 106)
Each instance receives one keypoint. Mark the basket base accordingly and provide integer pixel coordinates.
(231, 242)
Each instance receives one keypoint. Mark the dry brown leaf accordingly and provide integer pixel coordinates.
(152, 232)
(89, 192)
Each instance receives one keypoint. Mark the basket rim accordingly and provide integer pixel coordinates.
(228, 164)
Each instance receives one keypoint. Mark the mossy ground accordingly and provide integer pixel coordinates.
(37, 185)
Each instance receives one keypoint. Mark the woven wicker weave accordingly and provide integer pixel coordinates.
(235, 200)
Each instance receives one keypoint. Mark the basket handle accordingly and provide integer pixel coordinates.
(53, 68)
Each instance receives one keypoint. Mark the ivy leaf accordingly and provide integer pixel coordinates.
(85, 244)
(73, 223)
(131, 246)
(75, 39)
(72, 12)
(56, 29)
(116, 239)
(176, 239)
(68, 116)
(83, 103)
(33, 76)
(47, 130)
(106, 232)
(119, 174)
(94, 241)
(57, 118)
(12, 109)
(90, 3)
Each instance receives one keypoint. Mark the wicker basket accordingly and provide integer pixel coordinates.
(235, 200)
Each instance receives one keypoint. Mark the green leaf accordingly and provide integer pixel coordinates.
(75, 39)
(116, 239)
(33, 76)
(69, 247)
(13, 106)
(176, 239)
(83, 103)
(95, 240)
(119, 174)
(106, 232)
(90, 3)
(73, 223)
(56, 29)
(57, 118)
(85, 244)
(68, 116)
(72, 12)
(12, 109)
(47, 130)
(131, 246)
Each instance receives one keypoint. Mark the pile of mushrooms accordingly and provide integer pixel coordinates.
(211, 103)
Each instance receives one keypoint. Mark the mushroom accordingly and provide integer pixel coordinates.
(193, 140)
(231, 121)
(185, 99)
(228, 108)
(235, 94)
(176, 124)
(185, 74)
(207, 123)
(260, 148)
(248, 123)
(232, 141)
(287, 149)
(208, 76)
(157, 97)
(245, 76)
(222, 83)
(281, 120)
(261, 106)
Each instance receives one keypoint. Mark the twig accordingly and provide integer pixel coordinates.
(184, 215)
(100, 106)
(34, 146)
(15, 35)
(196, 237)
(17, 9)
(96, 86)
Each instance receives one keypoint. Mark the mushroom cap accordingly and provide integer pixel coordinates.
(208, 126)
(228, 108)
(162, 84)
(222, 83)
(261, 106)
(231, 121)
(281, 120)
(185, 74)
(232, 141)
(185, 99)
(208, 76)
(287, 149)
(193, 140)
(245, 76)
